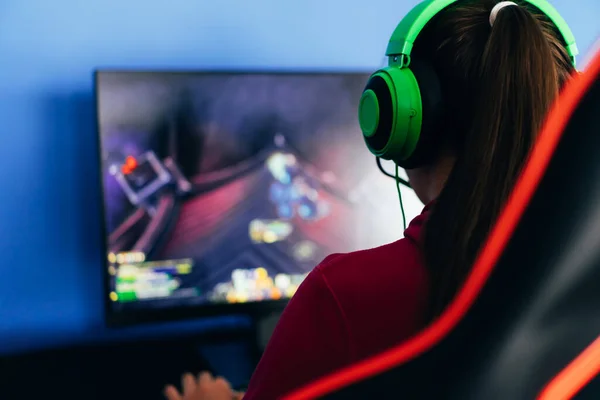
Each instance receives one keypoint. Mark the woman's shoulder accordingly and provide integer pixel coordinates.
(381, 292)
(407, 249)
(398, 259)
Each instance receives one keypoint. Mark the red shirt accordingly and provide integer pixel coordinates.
(350, 306)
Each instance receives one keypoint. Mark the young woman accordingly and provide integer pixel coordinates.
(499, 76)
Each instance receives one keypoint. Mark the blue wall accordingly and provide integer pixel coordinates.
(50, 256)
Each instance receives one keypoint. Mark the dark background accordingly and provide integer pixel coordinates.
(127, 370)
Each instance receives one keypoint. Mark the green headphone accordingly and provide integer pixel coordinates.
(401, 102)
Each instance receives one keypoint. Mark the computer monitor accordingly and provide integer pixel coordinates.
(222, 190)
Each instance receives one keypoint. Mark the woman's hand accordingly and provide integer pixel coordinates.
(206, 387)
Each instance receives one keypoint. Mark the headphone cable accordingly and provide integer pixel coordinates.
(398, 181)
(396, 177)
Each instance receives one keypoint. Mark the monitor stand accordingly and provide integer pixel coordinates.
(264, 326)
(236, 360)
(238, 363)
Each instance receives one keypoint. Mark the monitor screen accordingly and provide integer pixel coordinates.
(223, 190)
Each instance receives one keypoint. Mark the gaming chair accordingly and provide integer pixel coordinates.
(526, 323)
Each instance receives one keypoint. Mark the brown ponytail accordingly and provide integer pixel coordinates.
(499, 83)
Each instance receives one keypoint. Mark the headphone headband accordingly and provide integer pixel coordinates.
(405, 34)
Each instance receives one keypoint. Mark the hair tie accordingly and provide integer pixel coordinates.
(497, 8)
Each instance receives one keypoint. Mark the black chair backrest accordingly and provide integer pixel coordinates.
(532, 302)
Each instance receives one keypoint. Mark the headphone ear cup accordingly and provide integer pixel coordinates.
(390, 113)
(432, 108)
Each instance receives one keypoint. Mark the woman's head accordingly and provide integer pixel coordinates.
(498, 83)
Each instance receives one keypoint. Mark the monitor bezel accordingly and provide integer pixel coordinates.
(117, 319)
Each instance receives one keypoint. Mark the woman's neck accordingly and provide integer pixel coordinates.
(439, 175)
